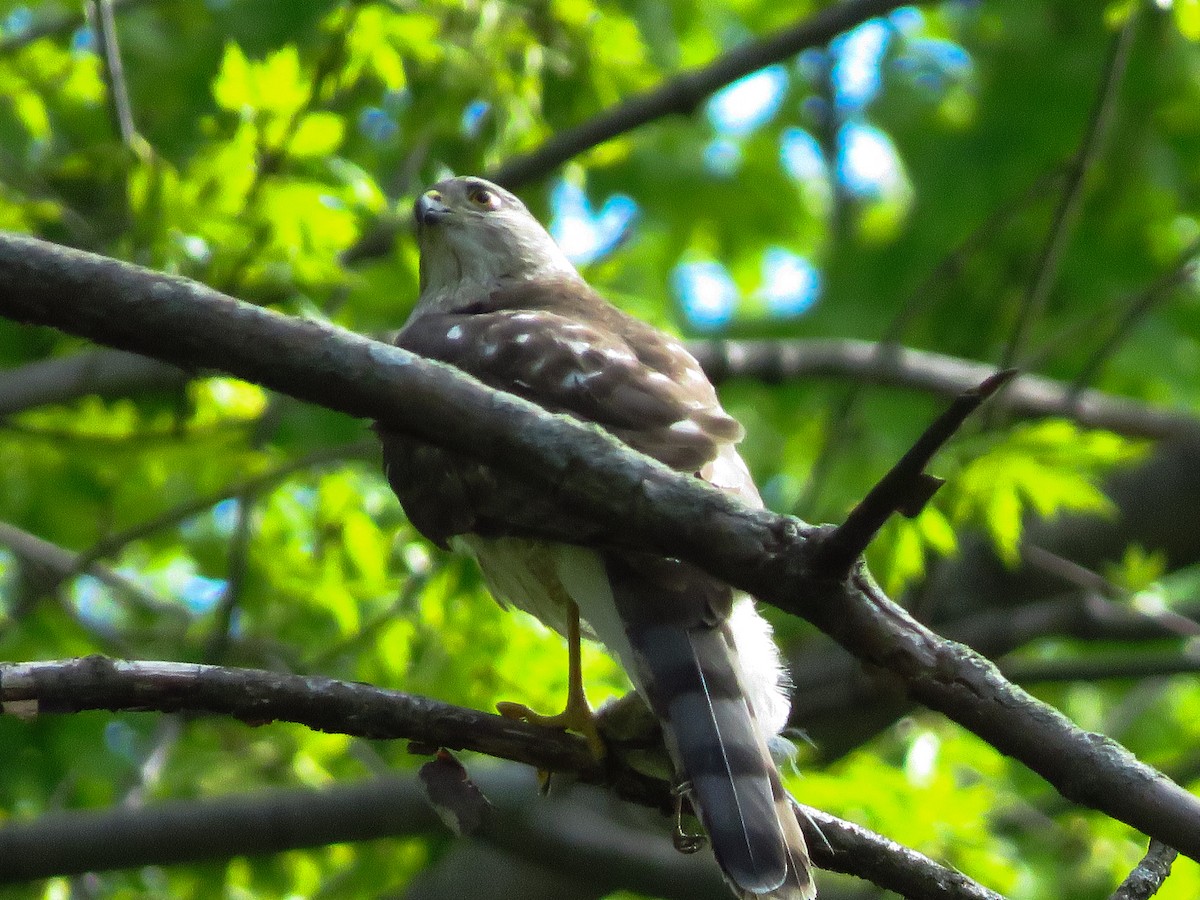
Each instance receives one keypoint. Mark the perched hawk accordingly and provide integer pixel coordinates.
(500, 300)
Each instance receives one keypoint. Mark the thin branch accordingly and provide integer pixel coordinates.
(109, 373)
(112, 544)
(61, 564)
(339, 707)
(1108, 667)
(239, 546)
(55, 26)
(1182, 271)
(679, 95)
(586, 486)
(1028, 396)
(1150, 874)
(1063, 225)
(103, 21)
(905, 488)
(919, 299)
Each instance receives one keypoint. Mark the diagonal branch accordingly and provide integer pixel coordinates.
(1071, 200)
(615, 496)
(680, 95)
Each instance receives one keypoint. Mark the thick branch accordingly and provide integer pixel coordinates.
(181, 832)
(632, 500)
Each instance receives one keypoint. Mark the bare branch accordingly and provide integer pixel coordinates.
(906, 488)
(1034, 301)
(59, 564)
(680, 95)
(72, 843)
(1150, 874)
(1028, 396)
(103, 21)
(258, 697)
(614, 496)
(109, 373)
(59, 24)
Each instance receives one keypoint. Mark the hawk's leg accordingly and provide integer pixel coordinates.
(578, 715)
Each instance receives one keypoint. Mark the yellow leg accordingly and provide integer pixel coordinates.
(578, 715)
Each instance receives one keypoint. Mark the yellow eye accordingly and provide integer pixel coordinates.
(484, 199)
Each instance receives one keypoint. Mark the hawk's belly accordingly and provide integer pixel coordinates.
(542, 578)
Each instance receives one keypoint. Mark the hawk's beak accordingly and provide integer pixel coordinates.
(430, 209)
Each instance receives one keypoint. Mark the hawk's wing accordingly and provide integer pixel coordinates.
(560, 345)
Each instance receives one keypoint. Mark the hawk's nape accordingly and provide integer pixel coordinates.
(500, 301)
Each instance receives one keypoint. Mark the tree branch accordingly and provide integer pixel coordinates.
(617, 497)
(72, 843)
(258, 697)
(1150, 874)
(680, 95)
(1029, 396)
(1034, 301)
(59, 24)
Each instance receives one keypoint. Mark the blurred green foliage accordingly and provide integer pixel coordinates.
(275, 136)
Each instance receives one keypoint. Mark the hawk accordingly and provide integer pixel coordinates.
(500, 301)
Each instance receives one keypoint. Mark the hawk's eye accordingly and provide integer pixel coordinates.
(484, 199)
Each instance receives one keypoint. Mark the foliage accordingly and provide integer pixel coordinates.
(273, 138)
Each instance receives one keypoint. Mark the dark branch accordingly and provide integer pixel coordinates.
(680, 95)
(905, 488)
(85, 841)
(619, 498)
(1061, 228)
(1144, 881)
(259, 697)
(1029, 396)
(109, 372)
(104, 24)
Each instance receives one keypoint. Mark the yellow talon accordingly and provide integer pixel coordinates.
(578, 715)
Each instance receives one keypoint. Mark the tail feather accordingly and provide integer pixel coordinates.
(712, 734)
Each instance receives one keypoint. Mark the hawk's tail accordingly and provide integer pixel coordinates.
(691, 678)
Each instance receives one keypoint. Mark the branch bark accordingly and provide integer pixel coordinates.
(627, 499)
(182, 832)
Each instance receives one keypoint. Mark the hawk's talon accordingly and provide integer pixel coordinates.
(578, 715)
(685, 841)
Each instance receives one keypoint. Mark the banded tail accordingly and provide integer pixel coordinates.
(691, 678)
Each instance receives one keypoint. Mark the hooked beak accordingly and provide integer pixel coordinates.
(429, 209)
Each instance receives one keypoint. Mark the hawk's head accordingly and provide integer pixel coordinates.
(475, 235)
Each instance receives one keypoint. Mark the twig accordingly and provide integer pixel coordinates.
(114, 542)
(61, 564)
(918, 300)
(1110, 667)
(1063, 224)
(905, 488)
(1161, 288)
(1150, 874)
(586, 486)
(103, 21)
(59, 24)
(235, 577)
